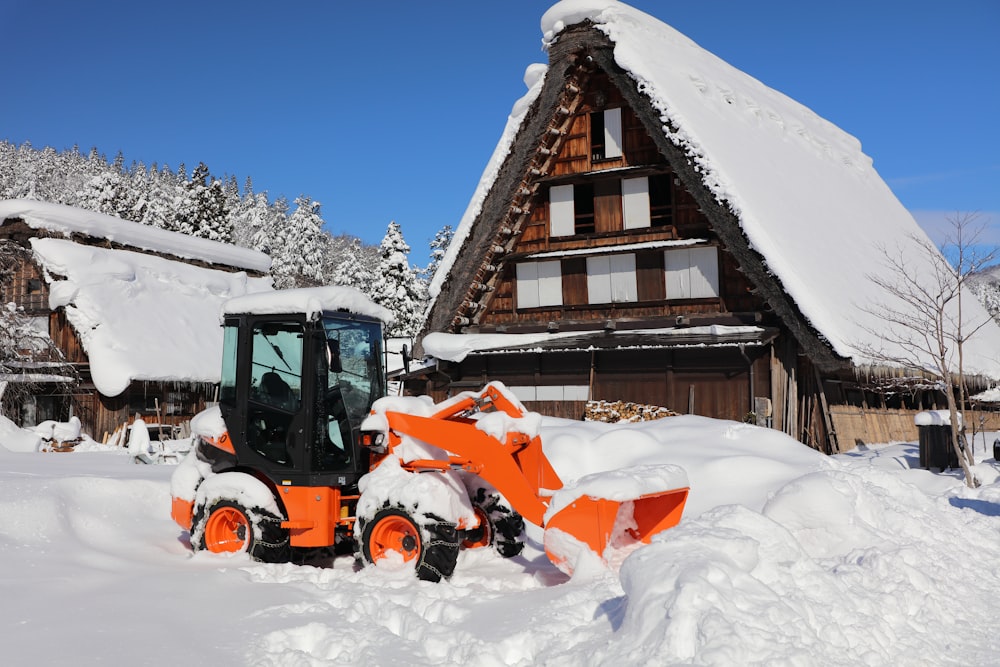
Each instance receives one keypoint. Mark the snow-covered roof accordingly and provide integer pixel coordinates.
(309, 300)
(455, 347)
(806, 197)
(139, 316)
(534, 78)
(67, 220)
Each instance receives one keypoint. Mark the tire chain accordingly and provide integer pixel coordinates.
(263, 518)
(437, 529)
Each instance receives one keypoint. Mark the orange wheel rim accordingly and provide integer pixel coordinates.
(394, 534)
(227, 530)
(481, 536)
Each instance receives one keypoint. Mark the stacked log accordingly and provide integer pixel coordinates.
(613, 412)
(59, 446)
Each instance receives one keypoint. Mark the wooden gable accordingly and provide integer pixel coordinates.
(594, 189)
(600, 228)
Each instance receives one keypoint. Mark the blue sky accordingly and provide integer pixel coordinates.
(390, 111)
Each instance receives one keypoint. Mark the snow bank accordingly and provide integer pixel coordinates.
(846, 567)
(58, 431)
(783, 556)
(16, 439)
(726, 462)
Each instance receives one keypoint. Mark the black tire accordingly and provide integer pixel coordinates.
(505, 526)
(430, 541)
(256, 531)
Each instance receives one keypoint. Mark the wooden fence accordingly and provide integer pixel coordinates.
(855, 426)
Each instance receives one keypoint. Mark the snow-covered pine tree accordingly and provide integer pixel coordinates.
(203, 212)
(8, 157)
(297, 252)
(25, 173)
(48, 175)
(231, 194)
(107, 192)
(985, 285)
(438, 247)
(265, 237)
(351, 264)
(255, 221)
(397, 286)
(161, 194)
(139, 186)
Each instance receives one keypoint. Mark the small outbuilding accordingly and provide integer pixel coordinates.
(132, 310)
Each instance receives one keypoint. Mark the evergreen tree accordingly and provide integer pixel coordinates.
(254, 222)
(396, 285)
(139, 185)
(303, 253)
(297, 254)
(25, 175)
(202, 208)
(107, 192)
(351, 265)
(438, 247)
(162, 193)
(8, 168)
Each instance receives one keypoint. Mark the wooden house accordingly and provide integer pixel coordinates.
(656, 226)
(133, 311)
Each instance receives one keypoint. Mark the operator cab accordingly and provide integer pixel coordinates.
(294, 390)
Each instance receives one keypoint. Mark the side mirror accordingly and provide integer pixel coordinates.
(333, 356)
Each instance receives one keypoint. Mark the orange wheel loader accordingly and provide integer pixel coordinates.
(304, 452)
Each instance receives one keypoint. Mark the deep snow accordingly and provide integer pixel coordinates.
(784, 556)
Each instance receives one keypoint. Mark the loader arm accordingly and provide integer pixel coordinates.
(517, 467)
(588, 518)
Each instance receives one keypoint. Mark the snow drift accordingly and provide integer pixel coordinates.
(784, 556)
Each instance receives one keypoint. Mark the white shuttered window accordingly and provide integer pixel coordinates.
(613, 133)
(539, 284)
(611, 279)
(562, 212)
(635, 202)
(692, 273)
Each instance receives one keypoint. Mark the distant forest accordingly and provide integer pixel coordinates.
(202, 205)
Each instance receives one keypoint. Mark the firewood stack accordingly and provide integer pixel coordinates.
(613, 412)
(59, 445)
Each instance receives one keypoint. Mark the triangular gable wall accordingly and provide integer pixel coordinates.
(507, 226)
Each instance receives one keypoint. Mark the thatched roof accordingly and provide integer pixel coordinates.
(791, 196)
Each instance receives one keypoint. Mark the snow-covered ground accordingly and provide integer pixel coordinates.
(784, 556)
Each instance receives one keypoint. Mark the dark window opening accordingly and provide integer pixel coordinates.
(583, 208)
(661, 212)
(597, 147)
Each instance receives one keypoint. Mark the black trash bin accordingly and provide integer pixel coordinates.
(936, 450)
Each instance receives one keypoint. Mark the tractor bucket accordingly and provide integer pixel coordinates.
(610, 524)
